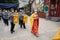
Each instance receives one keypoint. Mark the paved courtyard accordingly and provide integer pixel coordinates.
(47, 29)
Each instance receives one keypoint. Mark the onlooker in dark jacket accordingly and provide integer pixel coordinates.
(5, 17)
(21, 16)
(11, 22)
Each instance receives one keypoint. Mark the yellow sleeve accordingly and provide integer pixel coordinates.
(25, 19)
(16, 17)
(31, 20)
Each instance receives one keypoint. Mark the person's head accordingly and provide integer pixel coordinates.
(4, 10)
(35, 11)
(15, 10)
(8, 10)
(12, 10)
(22, 10)
(19, 9)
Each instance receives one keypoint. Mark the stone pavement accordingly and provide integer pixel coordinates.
(47, 30)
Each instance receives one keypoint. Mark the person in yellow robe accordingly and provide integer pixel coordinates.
(34, 21)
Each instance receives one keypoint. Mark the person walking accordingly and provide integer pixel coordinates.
(34, 20)
(11, 21)
(5, 17)
(21, 17)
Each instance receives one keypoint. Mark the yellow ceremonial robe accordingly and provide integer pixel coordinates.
(16, 18)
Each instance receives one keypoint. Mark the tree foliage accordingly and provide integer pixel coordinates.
(8, 1)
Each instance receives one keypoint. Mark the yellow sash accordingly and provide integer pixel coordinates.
(16, 17)
(31, 20)
(25, 19)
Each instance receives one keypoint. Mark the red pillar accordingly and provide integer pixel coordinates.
(58, 10)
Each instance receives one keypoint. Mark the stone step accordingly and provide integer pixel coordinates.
(57, 19)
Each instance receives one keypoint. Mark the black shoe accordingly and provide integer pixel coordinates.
(6, 24)
(36, 35)
(24, 28)
(20, 27)
(12, 32)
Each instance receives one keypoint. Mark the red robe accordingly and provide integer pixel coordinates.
(35, 25)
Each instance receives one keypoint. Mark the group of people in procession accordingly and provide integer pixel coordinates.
(19, 17)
